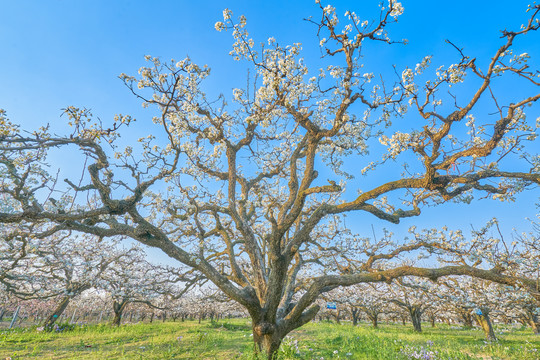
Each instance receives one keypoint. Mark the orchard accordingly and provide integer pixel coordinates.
(322, 187)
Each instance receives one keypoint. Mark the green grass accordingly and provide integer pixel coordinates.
(231, 339)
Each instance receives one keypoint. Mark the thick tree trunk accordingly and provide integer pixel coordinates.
(118, 308)
(52, 318)
(267, 339)
(535, 327)
(416, 317)
(482, 317)
(531, 319)
(269, 329)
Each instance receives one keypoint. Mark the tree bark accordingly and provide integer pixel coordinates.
(354, 314)
(467, 317)
(51, 319)
(416, 317)
(482, 317)
(267, 339)
(374, 317)
(531, 319)
(118, 308)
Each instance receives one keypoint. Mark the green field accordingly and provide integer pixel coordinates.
(231, 339)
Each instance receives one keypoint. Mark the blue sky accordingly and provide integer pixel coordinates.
(58, 53)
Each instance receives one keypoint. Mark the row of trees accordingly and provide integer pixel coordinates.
(463, 301)
(250, 192)
(63, 266)
(98, 306)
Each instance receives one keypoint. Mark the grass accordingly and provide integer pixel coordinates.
(231, 339)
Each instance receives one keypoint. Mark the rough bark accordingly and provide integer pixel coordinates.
(267, 339)
(416, 317)
(466, 316)
(118, 308)
(55, 315)
(530, 318)
(482, 317)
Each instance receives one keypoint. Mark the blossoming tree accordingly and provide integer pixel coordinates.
(235, 188)
(132, 279)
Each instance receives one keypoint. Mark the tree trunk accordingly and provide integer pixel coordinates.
(51, 319)
(467, 318)
(535, 327)
(482, 317)
(416, 317)
(267, 339)
(374, 320)
(354, 314)
(531, 319)
(118, 308)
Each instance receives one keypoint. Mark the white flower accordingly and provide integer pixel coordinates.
(397, 9)
(227, 14)
(219, 26)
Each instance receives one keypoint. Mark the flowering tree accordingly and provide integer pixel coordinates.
(132, 279)
(62, 266)
(358, 299)
(235, 189)
(413, 296)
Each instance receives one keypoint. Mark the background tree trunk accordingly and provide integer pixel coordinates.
(482, 317)
(374, 317)
(118, 308)
(416, 317)
(51, 319)
(354, 315)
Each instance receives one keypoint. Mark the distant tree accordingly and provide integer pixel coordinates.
(412, 296)
(63, 266)
(361, 299)
(132, 279)
(248, 191)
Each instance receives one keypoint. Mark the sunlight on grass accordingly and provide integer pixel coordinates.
(231, 339)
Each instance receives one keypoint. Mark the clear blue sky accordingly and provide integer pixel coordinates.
(58, 53)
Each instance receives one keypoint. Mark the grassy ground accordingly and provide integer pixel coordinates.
(231, 339)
